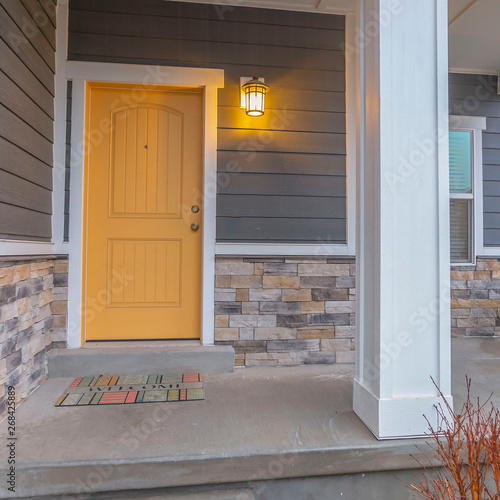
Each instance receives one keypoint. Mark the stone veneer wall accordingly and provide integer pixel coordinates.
(286, 311)
(274, 311)
(475, 299)
(33, 303)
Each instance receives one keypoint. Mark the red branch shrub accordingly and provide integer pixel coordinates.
(466, 448)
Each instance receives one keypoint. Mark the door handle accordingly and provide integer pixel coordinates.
(195, 226)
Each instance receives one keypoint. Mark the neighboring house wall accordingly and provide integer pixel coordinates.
(31, 305)
(282, 177)
(476, 95)
(27, 66)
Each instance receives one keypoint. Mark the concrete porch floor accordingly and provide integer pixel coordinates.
(256, 425)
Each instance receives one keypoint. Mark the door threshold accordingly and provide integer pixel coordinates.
(113, 344)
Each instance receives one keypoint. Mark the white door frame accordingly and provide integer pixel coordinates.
(145, 76)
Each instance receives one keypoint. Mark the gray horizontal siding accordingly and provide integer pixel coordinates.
(178, 28)
(299, 79)
(282, 177)
(211, 12)
(27, 66)
(290, 100)
(290, 120)
(286, 231)
(281, 163)
(279, 141)
(476, 95)
(286, 207)
(281, 185)
(167, 51)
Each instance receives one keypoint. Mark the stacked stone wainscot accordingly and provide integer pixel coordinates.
(33, 305)
(286, 311)
(475, 299)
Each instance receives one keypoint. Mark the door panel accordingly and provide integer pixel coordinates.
(143, 266)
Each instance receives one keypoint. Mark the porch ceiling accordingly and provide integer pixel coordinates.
(474, 36)
(321, 6)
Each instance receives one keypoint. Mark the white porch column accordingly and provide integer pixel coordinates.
(403, 271)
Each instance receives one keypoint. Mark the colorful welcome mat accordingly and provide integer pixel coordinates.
(129, 389)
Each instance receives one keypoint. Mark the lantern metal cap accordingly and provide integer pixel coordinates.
(255, 81)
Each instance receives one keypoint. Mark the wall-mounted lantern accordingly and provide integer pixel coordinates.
(253, 95)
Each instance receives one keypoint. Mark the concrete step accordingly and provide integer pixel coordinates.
(139, 360)
(211, 494)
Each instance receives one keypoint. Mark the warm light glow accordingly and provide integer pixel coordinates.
(255, 95)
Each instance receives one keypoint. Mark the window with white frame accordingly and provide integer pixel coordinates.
(466, 207)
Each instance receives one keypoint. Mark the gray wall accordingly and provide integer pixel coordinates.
(282, 177)
(476, 95)
(27, 65)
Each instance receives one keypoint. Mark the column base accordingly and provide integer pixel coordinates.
(396, 418)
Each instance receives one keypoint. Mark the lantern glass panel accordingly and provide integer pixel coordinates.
(255, 97)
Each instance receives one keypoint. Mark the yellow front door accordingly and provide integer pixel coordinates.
(144, 178)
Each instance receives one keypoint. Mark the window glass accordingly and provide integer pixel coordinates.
(460, 223)
(460, 161)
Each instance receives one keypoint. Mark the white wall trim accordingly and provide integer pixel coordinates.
(489, 252)
(351, 65)
(10, 248)
(465, 122)
(209, 212)
(210, 80)
(339, 7)
(377, 414)
(477, 137)
(469, 71)
(143, 74)
(291, 249)
(60, 128)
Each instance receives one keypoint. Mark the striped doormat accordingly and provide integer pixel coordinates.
(131, 389)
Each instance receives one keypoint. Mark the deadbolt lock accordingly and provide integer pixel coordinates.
(195, 209)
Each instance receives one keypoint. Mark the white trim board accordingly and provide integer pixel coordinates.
(210, 80)
(489, 252)
(471, 71)
(351, 68)
(285, 250)
(60, 128)
(10, 248)
(339, 7)
(465, 122)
